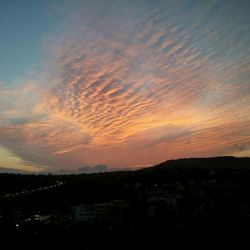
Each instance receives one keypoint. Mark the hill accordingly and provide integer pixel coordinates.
(221, 162)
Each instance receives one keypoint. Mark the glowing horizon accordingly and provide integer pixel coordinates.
(127, 83)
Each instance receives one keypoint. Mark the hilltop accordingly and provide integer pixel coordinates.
(220, 162)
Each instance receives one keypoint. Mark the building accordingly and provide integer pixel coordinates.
(99, 212)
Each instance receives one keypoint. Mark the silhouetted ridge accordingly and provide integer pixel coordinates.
(222, 162)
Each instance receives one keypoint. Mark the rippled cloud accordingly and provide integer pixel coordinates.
(135, 83)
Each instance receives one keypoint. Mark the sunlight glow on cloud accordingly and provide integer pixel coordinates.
(14, 162)
(135, 83)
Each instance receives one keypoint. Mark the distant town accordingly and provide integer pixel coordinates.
(189, 203)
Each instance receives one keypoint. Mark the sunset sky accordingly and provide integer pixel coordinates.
(123, 83)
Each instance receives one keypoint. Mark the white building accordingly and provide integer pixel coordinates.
(97, 212)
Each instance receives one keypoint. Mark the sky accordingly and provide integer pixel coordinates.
(127, 83)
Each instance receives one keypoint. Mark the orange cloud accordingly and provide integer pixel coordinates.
(132, 89)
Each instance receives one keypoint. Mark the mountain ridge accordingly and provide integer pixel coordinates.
(218, 162)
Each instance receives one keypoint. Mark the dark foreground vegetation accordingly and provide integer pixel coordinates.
(188, 204)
